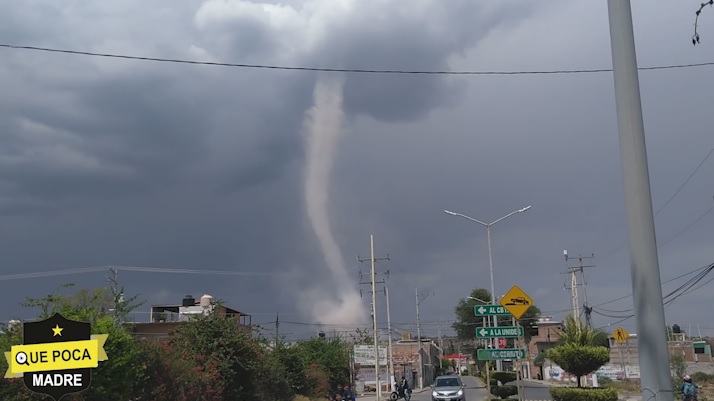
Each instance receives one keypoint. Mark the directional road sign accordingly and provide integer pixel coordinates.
(621, 335)
(496, 354)
(490, 310)
(496, 332)
(516, 302)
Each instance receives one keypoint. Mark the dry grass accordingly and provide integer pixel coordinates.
(706, 392)
(632, 386)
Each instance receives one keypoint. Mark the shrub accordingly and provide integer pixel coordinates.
(504, 391)
(604, 380)
(504, 377)
(579, 360)
(583, 394)
(701, 377)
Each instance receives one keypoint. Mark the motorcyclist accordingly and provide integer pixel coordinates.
(404, 389)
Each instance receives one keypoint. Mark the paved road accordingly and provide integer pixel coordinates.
(474, 392)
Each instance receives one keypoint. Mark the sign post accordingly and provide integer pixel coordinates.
(499, 332)
(494, 311)
(490, 354)
(517, 302)
(490, 310)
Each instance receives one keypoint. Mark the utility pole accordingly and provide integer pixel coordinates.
(277, 328)
(441, 348)
(655, 375)
(117, 295)
(573, 270)
(419, 299)
(390, 355)
(373, 283)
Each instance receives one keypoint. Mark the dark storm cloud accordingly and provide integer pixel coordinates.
(110, 161)
(386, 36)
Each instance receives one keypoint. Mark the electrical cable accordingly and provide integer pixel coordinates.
(346, 70)
(52, 273)
(671, 198)
(686, 288)
(664, 282)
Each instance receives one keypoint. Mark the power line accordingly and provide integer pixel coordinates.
(52, 273)
(699, 270)
(346, 70)
(671, 198)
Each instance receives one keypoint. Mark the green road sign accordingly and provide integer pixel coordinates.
(499, 332)
(490, 310)
(505, 353)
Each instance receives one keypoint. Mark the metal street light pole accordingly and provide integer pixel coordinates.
(499, 363)
(488, 367)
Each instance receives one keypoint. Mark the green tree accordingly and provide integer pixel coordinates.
(466, 322)
(114, 378)
(331, 355)
(579, 360)
(677, 365)
(578, 353)
(574, 332)
(242, 367)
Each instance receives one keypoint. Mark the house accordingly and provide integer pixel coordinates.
(547, 337)
(406, 361)
(163, 319)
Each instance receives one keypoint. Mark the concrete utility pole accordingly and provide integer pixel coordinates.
(117, 295)
(390, 355)
(375, 334)
(419, 299)
(655, 380)
(573, 270)
(277, 328)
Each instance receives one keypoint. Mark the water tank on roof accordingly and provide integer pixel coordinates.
(676, 329)
(188, 301)
(206, 300)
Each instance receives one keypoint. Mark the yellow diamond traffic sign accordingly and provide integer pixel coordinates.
(621, 335)
(516, 301)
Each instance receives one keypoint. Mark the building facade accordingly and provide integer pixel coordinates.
(164, 319)
(547, 337)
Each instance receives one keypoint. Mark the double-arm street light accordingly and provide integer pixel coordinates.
(490, 257)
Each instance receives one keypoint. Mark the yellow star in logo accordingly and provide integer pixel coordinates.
(57, 331)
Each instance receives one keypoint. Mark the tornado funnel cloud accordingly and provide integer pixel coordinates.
(323, 125)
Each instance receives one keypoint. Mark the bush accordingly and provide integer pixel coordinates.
(701, 377)
(604, 380)
(579, 360)
(504, 391)
(504, 377)
(583, 394)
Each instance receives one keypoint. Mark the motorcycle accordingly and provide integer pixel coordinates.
(400, 393)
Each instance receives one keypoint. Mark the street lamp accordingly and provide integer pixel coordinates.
(490, 258)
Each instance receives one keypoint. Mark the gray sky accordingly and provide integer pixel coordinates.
(135, 163)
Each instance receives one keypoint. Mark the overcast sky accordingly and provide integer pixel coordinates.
(137, 163)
